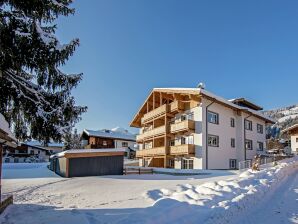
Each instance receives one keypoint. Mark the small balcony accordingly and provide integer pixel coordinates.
(154, 132)
(176, 106)
(155, 113)
(158, 151)
(183, 126)
(185, 149)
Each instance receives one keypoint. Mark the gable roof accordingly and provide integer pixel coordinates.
(115, 133)
(204, 93)
(290, 129)
(245, 103)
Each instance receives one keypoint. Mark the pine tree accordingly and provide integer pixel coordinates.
(35, 95)
(72, 140)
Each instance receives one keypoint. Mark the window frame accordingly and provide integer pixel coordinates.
(187, 164)
(216, 115)
(235, 163)
(217, 140)
(249, 128)
(232, 122)
(260, 128)
(251, 143)
(124, 144)
(260, 149)
(233, 143)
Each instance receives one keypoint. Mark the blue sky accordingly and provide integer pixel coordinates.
(237, 48)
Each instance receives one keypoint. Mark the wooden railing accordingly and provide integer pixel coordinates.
(176, 106)
(155, 113)
(137, 170)
(158, 151)
(182, 149)
(183, 125)
(154, 132)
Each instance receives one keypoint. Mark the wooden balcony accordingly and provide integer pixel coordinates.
(176, 106)
(158, 151)
(183, 126)
(155, 113)
(182, 149)
(154, 132)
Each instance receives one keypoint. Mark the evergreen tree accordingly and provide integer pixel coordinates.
(72, 140)
(35, 95)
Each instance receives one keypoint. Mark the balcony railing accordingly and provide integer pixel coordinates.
(183, 126)
(155, 113)
(158, 151)
(154, 132)
(182, 149)
(176, 106)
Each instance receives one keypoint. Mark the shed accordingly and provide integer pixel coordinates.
(88, 162)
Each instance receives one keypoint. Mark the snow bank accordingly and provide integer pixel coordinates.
(217, 202)
(23, 165)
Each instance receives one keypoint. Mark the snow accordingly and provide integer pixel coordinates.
(116, 133)
(37, 143)
(5, 127)
(61, 154)
(155, 198)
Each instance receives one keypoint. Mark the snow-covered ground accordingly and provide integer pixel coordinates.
(222, 197)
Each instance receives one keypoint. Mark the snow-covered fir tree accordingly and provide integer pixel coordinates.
(72, 140)
(35, 94)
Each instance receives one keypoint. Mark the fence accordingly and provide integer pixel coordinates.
(265, 160)
(137, 170)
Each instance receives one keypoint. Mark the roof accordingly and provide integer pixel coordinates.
(245, 103)
(86, 151)
(4, 128)
(115, 133)
(292, 128)
(35, 147)
(38, 143)
(207, 94)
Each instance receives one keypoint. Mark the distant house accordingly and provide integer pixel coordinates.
(293, 132)
(32, 151)
(107, 139)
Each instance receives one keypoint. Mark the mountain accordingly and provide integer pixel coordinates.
(285, 117)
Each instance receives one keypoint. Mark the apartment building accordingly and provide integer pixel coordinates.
(192, 128)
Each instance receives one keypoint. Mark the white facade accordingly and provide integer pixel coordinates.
(219, 157)
(294, 143)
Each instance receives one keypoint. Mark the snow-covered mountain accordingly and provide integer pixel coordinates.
(285, 117)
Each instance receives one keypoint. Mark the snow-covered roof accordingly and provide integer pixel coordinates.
(72, 151)
(4, 126)
(38, 143)
(295, 126)
(115, 133)
(204, 92)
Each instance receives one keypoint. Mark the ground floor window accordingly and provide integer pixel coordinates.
(187, 164)
(145, 162)
(16, 160)
(233, 163)
(260, 146)
(171, 163)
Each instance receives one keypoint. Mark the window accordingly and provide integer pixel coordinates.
(32, 152)
(232, 142)
(148, 145)
(187, 164)
(296, 139)
(7, 160)
(260, 128)
(183, 117)
(213, 140)
(172, 142)
(260, 146)
(248, 125)
(104, 143)
(171, 163)
(124, 144)
(248, 144)
(233, 163)
(212, 117)
(38, 151)
(16, 160)
(232, 122)
(183, 140)
(190, 139)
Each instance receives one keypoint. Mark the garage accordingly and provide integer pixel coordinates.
(88, 162)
